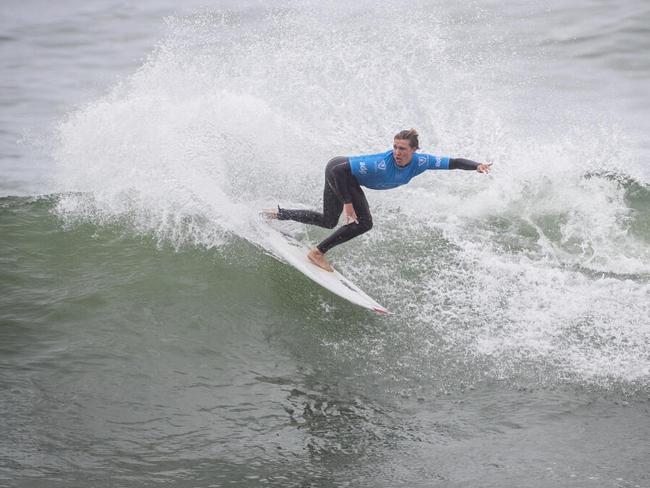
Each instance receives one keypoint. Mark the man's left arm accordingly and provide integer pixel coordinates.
(468, 164)
(438, 162)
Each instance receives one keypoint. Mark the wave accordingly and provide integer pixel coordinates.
(462, 314)
(541, 266)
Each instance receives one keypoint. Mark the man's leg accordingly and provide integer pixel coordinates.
(338, 180)
(332, 208)
(332, 202)
(349, 231)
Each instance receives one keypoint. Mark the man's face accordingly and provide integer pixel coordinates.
(402, 151)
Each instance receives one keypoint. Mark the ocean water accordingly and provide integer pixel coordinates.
(148, 338)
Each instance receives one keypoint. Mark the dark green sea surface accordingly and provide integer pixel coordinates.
(127, 363)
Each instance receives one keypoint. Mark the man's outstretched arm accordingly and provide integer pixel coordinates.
(468, 164)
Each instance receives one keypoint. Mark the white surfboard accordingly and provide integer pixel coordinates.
(293, 252)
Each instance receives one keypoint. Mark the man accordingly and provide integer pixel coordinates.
(343, 180)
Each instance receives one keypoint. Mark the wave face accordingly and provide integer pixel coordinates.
(131, 360)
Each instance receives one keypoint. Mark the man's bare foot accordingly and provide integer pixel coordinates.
(269, 213)
(318, 258)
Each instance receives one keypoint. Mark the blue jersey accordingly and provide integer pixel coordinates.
(381, 172)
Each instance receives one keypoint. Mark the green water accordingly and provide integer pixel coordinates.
(127, 363)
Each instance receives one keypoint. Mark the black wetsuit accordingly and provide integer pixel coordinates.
(342, 187)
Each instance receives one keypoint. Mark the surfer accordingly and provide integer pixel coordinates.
(344, 177)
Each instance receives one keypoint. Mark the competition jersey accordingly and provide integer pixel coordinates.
(381, 172)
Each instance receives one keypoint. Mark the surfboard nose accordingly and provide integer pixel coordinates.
(381, 311)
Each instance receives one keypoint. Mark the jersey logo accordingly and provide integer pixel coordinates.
(362, 168)
(422, 160)
(381, 165)
(437, 163)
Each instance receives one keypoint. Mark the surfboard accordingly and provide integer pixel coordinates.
(293, 252)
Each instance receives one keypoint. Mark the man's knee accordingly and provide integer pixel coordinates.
(365, 225)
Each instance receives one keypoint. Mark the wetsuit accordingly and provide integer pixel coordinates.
(343, 179)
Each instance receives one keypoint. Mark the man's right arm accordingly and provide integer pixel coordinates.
(343, 178)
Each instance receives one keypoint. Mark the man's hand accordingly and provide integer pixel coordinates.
(484, 167)
(349, 215)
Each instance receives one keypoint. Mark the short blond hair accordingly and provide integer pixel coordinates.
(410, 135)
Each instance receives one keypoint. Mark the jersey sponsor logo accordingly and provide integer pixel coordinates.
(422, 160)
(381, 165)
(363, 169)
